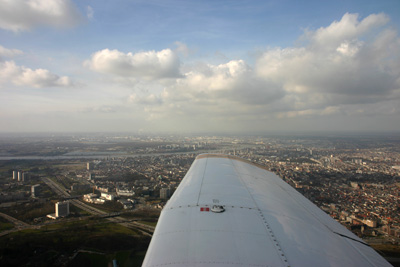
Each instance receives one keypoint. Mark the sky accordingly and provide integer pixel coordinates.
(211, 66)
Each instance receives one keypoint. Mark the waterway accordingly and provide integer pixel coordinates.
(101, 155)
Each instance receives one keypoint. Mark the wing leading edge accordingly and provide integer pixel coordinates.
(263, 222)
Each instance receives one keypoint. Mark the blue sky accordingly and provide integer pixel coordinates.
(199, 66)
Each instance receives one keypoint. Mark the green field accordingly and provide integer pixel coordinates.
(123, 258)
(6, 226)
(105, 241)
(148, 223)
(28, 211)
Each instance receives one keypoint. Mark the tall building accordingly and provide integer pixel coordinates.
(35, 190)
(165, 193)
(92, 176)
(62, 209)
(20, 176)
(15, 175)
(25, 176)
(90, 166)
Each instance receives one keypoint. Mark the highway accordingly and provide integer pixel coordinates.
(19, 225)
(113, 217)
(63, 193)
(16, 222)
(143, 228)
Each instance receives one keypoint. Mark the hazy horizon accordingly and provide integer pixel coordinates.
(202, 134)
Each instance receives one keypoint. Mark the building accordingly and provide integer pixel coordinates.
(165, 193)
(93, 198)
(370, 223)
(80, 187)
(25, 176)
(125, 192)
(35, 190)
(91, 176)
(20, 177)
(62, 209)
(15, 175)
(90, 166)
(103, 189)
(126, 203)
(89, 197)
(107, 196)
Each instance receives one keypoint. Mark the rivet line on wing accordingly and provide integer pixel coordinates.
(202, 180)
(207, 205)
(279, 250)
(273, 239)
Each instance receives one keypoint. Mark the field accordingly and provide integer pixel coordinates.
(87, 242)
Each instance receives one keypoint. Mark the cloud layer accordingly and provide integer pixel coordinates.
(22, 15)
(339, 65)
(345, 69)
(342, 76)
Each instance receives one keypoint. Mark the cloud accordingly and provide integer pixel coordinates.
(233, 81)
(39, 78)
(348, 28)
(345, 70)
(100, 109)
(89, 12)
(22, 15)
(183, 49)
(210, 92)
(150, 65)
(151, 99)
(338, 66)
(10, 72)
(4, 52)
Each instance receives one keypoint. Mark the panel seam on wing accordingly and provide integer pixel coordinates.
(202, 180)
(207, 205)
(206, 230)
(269, 231)
(191, 263)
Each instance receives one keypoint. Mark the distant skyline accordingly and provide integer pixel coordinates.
(240, 67)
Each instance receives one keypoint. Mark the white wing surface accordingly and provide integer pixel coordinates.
(259, 220)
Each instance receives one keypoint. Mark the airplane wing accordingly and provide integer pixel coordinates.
(230, 212)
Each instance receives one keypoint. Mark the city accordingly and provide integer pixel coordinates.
(106, 105)
(86, 181)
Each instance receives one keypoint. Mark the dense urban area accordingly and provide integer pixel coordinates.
(82, 200)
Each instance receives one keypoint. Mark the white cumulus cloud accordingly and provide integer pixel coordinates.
(211, 92)
(149, 65)
(337, 73)
(348, 28)
(22, 15)
(22, 76)
(337, 67)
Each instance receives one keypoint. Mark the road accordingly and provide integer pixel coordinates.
(143, 228)
(16, 222)
(113, 217)
(19, 225)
